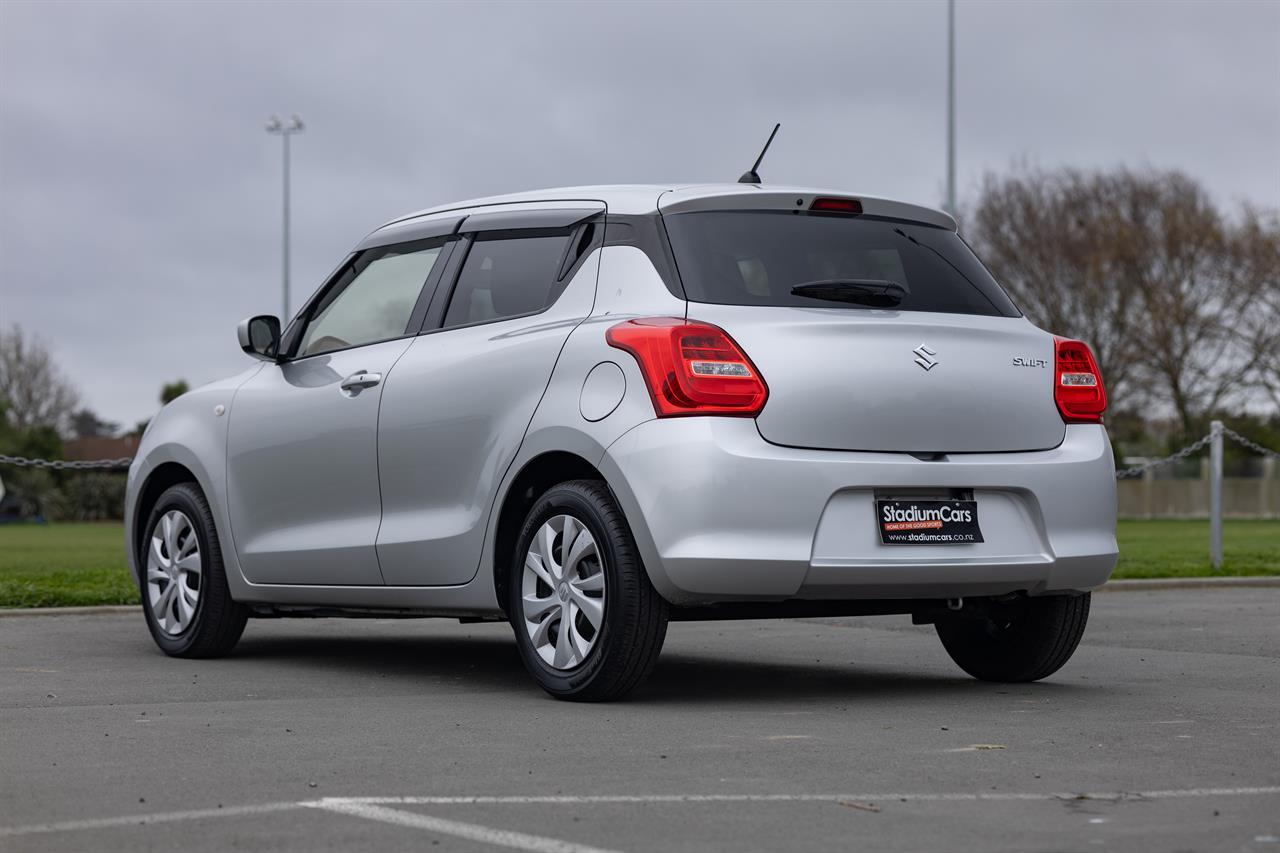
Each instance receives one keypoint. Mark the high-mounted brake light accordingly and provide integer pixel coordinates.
(691, 368)
(1077, 383)
(836, 205)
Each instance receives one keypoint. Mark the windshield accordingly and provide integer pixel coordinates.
(753, 257)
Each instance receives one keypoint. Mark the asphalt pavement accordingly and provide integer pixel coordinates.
(1162, 733)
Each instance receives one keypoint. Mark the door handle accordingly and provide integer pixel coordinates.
(360, 380)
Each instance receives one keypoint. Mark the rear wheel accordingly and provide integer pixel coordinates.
(188, 606)
(1023, 640)
(588, 622)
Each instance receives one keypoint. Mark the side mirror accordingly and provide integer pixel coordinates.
(260, 336)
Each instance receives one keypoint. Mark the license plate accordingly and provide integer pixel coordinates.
(909, 522)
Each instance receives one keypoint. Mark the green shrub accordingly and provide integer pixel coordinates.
(95, 496)
(37, 493)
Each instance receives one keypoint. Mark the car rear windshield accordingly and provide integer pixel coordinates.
(752, 257)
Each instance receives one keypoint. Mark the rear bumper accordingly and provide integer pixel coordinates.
(720, 514)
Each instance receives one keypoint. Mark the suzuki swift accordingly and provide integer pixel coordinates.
(591, 411)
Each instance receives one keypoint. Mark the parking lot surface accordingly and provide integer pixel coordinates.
(1162, 733)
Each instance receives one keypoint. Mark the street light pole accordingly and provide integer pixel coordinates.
(951, 107)
(276, 126)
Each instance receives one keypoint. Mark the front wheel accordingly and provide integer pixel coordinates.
(188, 606)
(588, 623)
(1024, 640)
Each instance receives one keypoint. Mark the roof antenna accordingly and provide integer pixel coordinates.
(751, 176)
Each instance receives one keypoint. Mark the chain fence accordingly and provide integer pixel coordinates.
(1193, 448)
(1122, 474)
(1139, 470)
(1249, 443)
(67, 464)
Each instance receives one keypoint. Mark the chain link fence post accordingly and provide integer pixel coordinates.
(1215, 494)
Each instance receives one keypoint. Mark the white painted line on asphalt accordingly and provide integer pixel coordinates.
(345, 804)
(143, 819)
(987, 796)
(458, 829)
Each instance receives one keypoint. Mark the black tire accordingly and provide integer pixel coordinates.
(1026, 640)
(635, 616)
(218, 621)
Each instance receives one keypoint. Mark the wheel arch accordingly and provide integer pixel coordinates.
(157, 482)
(534, 479)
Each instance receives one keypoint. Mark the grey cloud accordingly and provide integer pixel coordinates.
(139, 195)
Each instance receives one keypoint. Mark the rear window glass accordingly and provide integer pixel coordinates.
(750, 257)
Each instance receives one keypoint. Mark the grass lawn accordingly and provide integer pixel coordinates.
(62, 565)
(1174, 548)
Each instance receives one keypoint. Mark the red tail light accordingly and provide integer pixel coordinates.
(691, 368)
(1077, 383)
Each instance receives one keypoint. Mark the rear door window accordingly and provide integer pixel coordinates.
(753, 257)
(508, 274)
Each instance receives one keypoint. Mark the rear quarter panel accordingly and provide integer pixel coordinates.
(628, 286)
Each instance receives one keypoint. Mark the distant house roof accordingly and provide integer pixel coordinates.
(101, 447)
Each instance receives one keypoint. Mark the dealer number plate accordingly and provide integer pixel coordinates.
(910, 522)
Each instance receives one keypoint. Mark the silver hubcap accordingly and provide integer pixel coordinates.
(563, 592)
(173, 572)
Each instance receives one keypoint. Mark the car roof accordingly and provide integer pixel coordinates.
(651, 198)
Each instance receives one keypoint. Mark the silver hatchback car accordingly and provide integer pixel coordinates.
(590, 411)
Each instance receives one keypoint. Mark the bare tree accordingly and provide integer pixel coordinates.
(1169, 291)
(1200, 289)
(1050, 238)
(31, 384)
(1257, 248)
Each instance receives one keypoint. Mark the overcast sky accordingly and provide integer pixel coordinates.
(140, 195)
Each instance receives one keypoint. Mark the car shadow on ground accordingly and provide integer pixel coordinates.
(492, 663)
(486, 658)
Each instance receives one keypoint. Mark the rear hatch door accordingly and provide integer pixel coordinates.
(953, 367)
(862, 380)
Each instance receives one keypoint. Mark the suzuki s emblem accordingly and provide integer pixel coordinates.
(925, 357)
